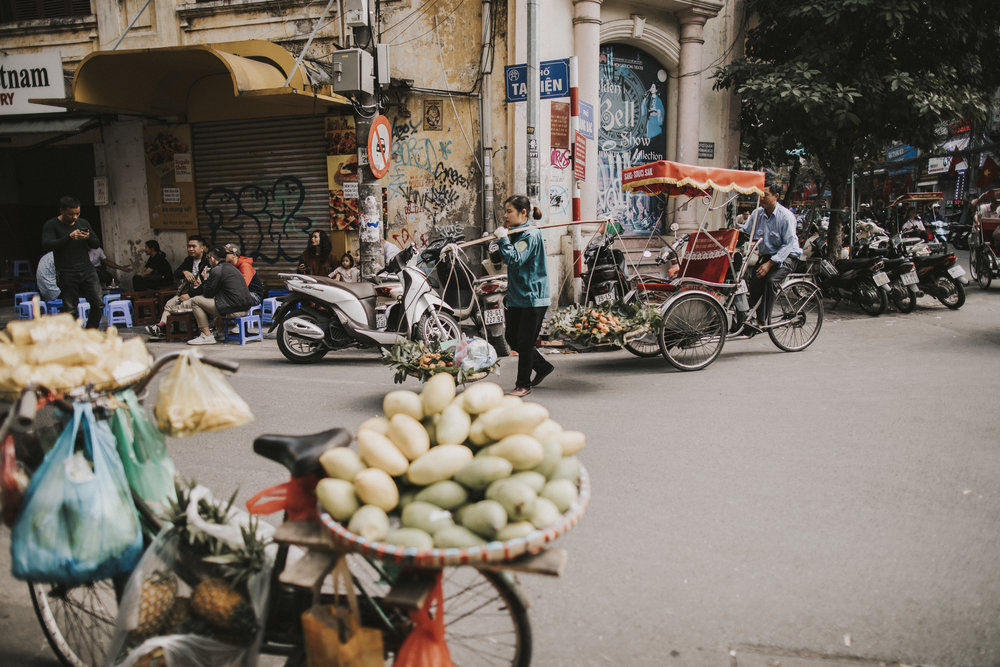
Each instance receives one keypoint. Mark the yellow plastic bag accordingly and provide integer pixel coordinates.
(334, 636)
(196, 398)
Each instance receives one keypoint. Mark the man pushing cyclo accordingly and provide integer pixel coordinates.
(778, 253)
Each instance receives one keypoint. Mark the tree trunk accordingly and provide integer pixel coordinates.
(835, 234)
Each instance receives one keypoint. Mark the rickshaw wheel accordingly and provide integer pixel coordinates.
(981, 269)
(694, 331)
(801, 306)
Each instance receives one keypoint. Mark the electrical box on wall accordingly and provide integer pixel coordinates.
(382, 63)
(356, 13)
(352, 72)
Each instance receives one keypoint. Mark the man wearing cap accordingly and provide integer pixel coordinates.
(245, 265)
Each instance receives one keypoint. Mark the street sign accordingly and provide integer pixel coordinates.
(553, 80)
(706, 150)
(379, 146)
(585, 121)
(580, 157)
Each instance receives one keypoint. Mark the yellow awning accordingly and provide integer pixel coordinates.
(198, 83)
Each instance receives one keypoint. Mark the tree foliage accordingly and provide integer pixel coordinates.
(842, 79)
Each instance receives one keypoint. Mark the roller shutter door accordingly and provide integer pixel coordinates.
(262, 184)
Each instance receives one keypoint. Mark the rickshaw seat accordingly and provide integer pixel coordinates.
(708, 255)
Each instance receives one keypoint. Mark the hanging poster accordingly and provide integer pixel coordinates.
(631, 131)
(342, 171)
(171, 192)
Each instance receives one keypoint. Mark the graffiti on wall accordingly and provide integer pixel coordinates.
(265, 221)
(630, 132)
(559, 201)
(428, 187)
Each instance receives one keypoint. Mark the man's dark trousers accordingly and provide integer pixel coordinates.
(82, 282)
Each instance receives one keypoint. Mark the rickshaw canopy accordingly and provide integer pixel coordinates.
(674, 179)
(986, 197)
(918, 198)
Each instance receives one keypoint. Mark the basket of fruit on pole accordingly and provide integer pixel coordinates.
(467, 360)
(604, 326)
(447, 478)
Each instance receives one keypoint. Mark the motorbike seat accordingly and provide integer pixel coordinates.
(361, 290)
(300, 453)
(857, 263)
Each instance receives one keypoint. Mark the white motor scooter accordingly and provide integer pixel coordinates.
(320, 314)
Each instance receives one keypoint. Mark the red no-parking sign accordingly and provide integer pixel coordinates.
(379, 146)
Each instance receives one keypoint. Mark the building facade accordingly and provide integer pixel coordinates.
(231, 119)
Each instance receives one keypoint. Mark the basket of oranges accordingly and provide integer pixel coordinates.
(605, 326)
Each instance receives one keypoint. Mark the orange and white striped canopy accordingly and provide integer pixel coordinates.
(674, 179)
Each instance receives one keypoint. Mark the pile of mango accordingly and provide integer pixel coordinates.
(446, 469)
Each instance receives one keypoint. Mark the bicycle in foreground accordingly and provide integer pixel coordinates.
(485, 614)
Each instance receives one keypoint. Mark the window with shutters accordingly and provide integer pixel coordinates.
(28, 10)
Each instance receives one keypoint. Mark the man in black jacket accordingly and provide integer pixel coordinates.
(70, 238)
(223, 293)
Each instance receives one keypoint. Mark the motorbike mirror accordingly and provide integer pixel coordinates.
(647, 253)
(674, 227)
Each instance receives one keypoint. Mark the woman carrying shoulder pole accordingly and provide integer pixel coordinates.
(527, 291)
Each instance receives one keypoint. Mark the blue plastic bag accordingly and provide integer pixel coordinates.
(78, 522)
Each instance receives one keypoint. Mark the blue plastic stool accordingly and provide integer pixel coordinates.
(25, 311)
(54, 306)
(21, 267)
(243, 326)
(277, 292)
(120, 312)
(83, 310)
(108, 298)
(268, 307)
(24, 296)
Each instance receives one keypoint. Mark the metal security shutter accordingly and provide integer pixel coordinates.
(262, 184)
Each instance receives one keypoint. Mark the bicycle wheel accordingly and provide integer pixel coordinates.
(983, 268)
(797, 316)
(78, 621)
(648, 344)
(486, 620)
(694, 331)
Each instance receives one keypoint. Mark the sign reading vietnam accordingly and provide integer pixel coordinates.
(33, 75)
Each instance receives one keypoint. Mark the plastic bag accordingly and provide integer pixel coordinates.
(143, 451)
(334, 636)
(196, 398)
(425, 646)
(474, 354)
(77, 522)
(159, 620)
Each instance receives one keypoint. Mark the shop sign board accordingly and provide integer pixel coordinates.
(580, 157)
(559, 125)
(30, 76)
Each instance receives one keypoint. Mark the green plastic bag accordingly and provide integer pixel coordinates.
(143, 450)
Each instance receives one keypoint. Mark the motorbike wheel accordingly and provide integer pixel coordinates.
(428, 330)
(300, 350)
(902, 298)
(980, 268)
(950, 292)
(870, 298)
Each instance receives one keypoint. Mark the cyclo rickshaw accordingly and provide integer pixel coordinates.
(707, 298)
(983, 260)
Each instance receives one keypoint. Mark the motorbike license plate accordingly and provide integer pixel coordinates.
(910, 278)
(603, 298)
(381, 321)
(956, 271)
(881, 278)
(742, 289)
(493, 316)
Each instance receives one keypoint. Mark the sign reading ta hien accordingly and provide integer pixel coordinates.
(553, 80)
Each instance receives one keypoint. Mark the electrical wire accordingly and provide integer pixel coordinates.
(447, 16)
(447, 86)
(416, 13)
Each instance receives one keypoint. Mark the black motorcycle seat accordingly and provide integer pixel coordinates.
(300, 453)
(360, 290)
(857, 263)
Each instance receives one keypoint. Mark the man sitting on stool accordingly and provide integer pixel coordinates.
(224, 293)
(778, 251)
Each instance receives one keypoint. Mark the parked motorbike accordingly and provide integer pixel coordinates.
(320, 314)
(860, 280)
(478, 302)
(903, 279)
(604, 276)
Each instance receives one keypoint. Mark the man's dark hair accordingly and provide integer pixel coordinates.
(68, 202)
(218, 252)
(771, 183)
(199, 239)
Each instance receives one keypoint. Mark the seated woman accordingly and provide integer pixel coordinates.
(316, 260)
(157, 272)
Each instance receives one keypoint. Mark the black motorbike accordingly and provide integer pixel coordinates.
(903, 279)
(861, 280)
(938, 274)
(605, 274)
(478, 302)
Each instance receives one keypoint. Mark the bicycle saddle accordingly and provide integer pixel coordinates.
(300, 453)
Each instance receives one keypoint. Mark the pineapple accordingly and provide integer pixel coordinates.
(154, 658)
(178, 615)
(225, 609)
(156, 597)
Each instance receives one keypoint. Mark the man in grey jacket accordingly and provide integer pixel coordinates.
(224, 293)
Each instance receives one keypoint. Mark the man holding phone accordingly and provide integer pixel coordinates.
(70, 239)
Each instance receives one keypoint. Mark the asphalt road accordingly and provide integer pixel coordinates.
(830, 507)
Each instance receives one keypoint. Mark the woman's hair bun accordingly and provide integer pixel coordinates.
(536, 213)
